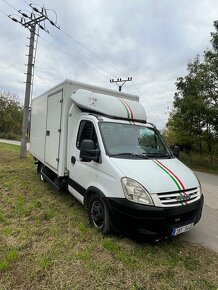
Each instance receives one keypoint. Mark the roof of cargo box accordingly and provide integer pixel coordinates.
(102, 90)
(92, 88)
(109, 105)
(104, 101)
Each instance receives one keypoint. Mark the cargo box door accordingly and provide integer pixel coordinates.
(53, 129)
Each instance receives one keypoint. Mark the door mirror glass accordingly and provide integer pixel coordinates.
(88, 151)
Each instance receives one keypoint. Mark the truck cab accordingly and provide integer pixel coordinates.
(138, 184)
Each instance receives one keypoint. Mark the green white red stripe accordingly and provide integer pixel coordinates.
(174, 178)
(128, 109)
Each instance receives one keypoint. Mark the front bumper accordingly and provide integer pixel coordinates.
(154, 221)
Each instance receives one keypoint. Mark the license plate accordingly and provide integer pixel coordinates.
(183, 229)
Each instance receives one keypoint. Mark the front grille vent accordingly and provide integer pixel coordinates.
(180, 197)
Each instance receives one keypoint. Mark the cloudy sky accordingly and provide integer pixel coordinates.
(149, 40)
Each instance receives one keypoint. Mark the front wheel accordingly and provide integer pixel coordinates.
(98, 215)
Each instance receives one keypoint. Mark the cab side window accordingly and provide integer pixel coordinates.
(86, 132)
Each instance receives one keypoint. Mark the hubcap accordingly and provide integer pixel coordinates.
(97, 214)
(41, 176)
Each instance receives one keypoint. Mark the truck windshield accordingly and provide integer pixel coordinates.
(132, 141)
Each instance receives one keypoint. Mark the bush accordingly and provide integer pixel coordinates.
(11, 114)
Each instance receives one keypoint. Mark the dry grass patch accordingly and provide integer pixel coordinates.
(47, 243)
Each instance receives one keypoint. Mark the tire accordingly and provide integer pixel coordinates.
(98, 215)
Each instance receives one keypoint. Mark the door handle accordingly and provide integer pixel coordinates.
(73, 160)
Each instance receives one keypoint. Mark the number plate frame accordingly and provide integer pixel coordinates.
(182, 229)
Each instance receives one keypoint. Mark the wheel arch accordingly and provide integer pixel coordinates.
(94, 190)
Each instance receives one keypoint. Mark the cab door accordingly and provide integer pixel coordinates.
(82, 174)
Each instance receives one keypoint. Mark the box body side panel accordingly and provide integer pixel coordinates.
(38, 127)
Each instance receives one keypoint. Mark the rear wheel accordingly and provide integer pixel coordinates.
(98, 215)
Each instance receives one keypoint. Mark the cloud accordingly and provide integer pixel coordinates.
(150, 40)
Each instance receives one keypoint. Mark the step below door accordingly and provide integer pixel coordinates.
(53, 129)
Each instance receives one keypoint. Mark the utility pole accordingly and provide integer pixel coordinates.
(30, 22)
(27, 93)
(120, 82)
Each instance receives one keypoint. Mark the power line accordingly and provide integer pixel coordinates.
(76, 41)
(82, 55)
(30, 22)
(73, 39)
(70, 55)
(88, 49)
(10, 5)
(3, 12)
(85, 47)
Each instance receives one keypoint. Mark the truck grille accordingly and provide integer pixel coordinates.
(180, 197)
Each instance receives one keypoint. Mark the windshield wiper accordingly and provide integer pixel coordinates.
(158, 154)
(130, 154)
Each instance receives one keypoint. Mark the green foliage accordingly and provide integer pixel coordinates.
(200, 162)
(10, 116)
(194, 119)
(4, 265)
(11, 256)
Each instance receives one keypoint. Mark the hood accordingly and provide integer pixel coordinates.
(158, 175)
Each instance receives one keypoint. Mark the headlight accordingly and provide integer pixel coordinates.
(135, 192)
(200, 187)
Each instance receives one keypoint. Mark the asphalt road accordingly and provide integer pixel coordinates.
(13, 142)
(206, 231)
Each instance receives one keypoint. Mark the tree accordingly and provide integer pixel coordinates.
(193, 121)
(11, 113)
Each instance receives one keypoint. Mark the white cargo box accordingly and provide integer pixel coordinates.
(49, 117)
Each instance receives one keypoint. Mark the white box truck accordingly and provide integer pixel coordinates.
(98, 144)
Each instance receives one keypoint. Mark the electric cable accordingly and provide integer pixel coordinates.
(10, 5)
(3, 12)
(70, 55)
(79, 43)
(82, 55)
(88, 49)
(91, 67)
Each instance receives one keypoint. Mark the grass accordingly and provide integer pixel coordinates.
(200, 163)
(47, 243)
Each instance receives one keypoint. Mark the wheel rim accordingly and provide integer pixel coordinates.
(97, 214)
(41, 177)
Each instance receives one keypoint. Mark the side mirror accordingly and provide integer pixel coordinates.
(176, 151)
(87, 151)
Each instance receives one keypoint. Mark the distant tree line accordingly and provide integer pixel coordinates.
(193, 122)
(11, 114)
